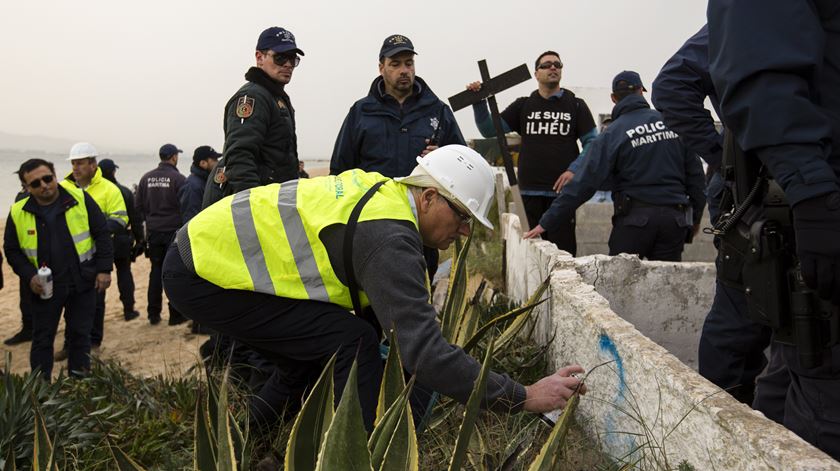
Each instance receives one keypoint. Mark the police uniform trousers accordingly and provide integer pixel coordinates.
(122, 265)
(564, 237)
(298, 336)
(651, 232)
(78, 318)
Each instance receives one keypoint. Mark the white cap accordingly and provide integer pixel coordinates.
(461, 174)
(82, 150)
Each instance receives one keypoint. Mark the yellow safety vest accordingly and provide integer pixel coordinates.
(106, 194)
(77, 222)
(266, 239)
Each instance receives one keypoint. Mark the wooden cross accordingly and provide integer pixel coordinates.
(489, 88)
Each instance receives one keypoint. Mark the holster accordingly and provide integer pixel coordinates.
(622, 204)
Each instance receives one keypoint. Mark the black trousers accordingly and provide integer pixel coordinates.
(125, 283)
(298, 336)
(159, 242)
(78, 318)
(25, 306)
(564, 238)
(651, 232)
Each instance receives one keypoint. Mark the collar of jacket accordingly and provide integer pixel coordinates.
(375, 102)
(66, 200)
(199, 172)
(259, 77)
(628, 104)
(377, 89)
(164, 165)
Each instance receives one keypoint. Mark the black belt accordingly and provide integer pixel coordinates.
(642, 204)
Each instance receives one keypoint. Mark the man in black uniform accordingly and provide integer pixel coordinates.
(260, 141)
(551, 122)
(657, 182)
(124, 241)
(204, 161)
(780, 97)
(157, 204)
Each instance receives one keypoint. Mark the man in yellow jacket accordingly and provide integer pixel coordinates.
(88, 176)
(279, 267)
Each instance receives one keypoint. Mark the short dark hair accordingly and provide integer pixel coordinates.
(31, 165)
(624, 90)
(546, 53)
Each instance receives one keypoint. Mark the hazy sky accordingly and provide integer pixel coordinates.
(133, 75)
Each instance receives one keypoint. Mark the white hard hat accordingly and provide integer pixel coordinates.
(461, 173)
(82, 150)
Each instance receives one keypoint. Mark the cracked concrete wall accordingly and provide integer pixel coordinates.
(644, 402)
(666, 301)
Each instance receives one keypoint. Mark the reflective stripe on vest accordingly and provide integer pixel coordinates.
(266, 239)
(77, 223)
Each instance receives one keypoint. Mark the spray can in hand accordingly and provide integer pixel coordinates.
(46, 279)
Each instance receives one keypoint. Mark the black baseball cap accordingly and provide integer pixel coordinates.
(395, 44)
(277, 39)
(108, 165)
(168, 150)
(204, 153)
(627, 80)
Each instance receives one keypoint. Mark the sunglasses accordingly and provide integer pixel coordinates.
(281, 59)
(36, 183)
(465, 218)
(548, 65)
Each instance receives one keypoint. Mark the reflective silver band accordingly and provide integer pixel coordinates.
(249, 243)
(84, 257)
(296, 235)
(81, 236)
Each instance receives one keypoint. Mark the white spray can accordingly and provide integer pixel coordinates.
(46, 279)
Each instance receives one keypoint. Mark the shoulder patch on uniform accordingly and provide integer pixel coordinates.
(281, 103)
(244, 107)
(220, 178)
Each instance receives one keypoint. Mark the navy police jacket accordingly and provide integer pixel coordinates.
(641, 158)
(379, 135)
(679, 93)
(775, 67)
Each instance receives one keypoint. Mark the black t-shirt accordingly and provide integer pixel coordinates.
(550, 129)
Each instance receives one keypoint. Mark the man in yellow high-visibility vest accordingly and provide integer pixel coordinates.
(269, 267)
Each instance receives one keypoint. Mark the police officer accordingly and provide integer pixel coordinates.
(124, 241)
(157, 204)
(400, 118)
(780, 97)
(87, 175)
(204, 160)
(260, 140)
(731, 351)
(61, 227)
(657, 183)
(289, 299)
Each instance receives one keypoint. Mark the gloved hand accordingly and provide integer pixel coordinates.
(817, 225)
(138, 249)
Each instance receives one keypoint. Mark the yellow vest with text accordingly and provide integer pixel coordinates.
(107, 196)
(266, 239)
(77, 222)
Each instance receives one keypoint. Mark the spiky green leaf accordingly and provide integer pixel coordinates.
(453, 308)
(345, 444)
(312, 423)
(123, 461)
(475, 339)
(43, 455)
(549, 455)
(389, 441)
(471, 412)
(393, 378)
(204, 451)
(224, 441)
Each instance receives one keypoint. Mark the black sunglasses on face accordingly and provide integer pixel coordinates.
(548, 65)
(465, 218)
(281, 59)
(36, 183)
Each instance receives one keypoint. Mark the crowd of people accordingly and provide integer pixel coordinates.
(273, 264)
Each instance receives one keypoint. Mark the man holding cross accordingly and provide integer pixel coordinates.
(551, 121)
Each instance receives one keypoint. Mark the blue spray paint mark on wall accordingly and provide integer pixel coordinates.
(616, 441)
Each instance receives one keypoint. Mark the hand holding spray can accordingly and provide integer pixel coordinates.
(46, 279)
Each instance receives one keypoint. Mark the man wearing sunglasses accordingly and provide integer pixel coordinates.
(260, 141)
(551, 121)
(60, 227)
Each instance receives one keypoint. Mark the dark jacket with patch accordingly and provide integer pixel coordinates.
(641, 158)
(193, 192)
(261, 148)
(380, 135)
(83, 277)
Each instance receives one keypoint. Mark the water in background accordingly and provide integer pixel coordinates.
(132, 168)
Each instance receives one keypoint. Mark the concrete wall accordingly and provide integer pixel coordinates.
(645, 395)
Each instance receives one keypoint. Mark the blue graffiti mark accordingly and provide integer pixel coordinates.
(616, 440)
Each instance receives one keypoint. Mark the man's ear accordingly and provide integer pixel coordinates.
(426, 197)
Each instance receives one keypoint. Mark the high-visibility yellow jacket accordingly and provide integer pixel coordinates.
(107, 196)
(77, 223)
(266, 239)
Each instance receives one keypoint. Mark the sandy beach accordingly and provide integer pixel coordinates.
(142, 348)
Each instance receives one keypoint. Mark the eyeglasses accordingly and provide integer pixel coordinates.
(465, 218)
(36, 183)
(548, 65)
(281, 59)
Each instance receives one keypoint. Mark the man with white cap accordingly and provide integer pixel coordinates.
(87, 175)
(279, 267)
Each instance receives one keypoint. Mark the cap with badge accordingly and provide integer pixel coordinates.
(394, 44)
(204, 153)
(627, 80)
(279, 40)
(168, 150)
